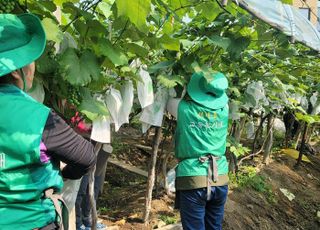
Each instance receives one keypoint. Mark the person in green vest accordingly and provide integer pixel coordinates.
(33, 138)
(200, 145)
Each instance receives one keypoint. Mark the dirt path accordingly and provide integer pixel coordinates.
(258, 205)
(250, 209)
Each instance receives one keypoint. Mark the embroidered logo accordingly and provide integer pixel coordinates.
(206, 125)
(209, 115)
(2, 160)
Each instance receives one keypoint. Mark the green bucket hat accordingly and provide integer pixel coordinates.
(209, 91)
(22, 41)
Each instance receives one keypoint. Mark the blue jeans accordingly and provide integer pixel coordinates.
(199, 214)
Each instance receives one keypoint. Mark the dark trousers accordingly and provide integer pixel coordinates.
(198, 213)
(82, 206)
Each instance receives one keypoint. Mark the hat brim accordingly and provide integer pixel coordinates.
(197, 92)
(21, 56)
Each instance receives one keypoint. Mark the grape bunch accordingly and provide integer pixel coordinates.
(50, 49)
(74, 96)
(6, 6)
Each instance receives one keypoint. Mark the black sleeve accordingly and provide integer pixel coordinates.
(66, 145)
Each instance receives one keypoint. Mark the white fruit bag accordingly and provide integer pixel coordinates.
(171, 178)
(153, 114)
(69, 192)
(114, 104)
(145, 89)
(127, 102)
(101, 130)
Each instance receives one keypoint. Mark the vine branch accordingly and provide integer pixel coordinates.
(262, 147)
(121, 33)
(79, 15)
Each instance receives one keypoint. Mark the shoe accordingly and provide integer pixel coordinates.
(100, 226)
(82, 227)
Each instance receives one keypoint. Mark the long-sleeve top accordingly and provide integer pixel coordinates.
(61, 142)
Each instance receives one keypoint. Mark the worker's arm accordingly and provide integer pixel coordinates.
(62, 143)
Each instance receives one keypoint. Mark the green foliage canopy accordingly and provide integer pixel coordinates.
(99, 39)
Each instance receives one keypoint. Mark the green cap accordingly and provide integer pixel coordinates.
(209, 92)
(22, 40)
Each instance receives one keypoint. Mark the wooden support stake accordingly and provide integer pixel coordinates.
(151, 174)
(269, 139)
(253, 149)
(94, 215)
(302, 145)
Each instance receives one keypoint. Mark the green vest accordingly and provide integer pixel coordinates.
(200, 131)
(23, 178)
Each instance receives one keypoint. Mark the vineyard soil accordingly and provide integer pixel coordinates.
(260, 205)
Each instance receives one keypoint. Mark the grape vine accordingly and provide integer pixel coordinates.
(101, 44)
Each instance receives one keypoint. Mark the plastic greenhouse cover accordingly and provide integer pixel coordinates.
(285, 18)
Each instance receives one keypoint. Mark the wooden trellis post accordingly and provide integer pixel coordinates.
(91, 190)
(151, 173)
(302, 145)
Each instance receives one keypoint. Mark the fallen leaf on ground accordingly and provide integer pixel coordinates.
(288, 194)
(121, 222)
(134, 216)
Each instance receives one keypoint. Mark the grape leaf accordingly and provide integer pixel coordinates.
(93, 108)
(170, 43)
(136, 11)
(79, 70)
(46, 65)
(238, 45)
(60, 2)
(305, 117)
(52, 30)
(160, 66)
(105, 48)
(171, 81)
(210, 10)
(105, 8)
(222, 42)
(136, 49)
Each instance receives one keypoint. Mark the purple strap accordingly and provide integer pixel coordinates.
(44, 158)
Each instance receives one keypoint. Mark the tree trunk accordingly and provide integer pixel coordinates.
(269, 141)
(303, 142)
(236, 133)
(231, 131)
(297, 138)
(257, 133)
(146, 137)
(252, 155)
(151, 173)
(260, 134)
(238, 129)
(164, 172)
(310, 134)
(91, 190)
(160, 172)
(233, 162)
